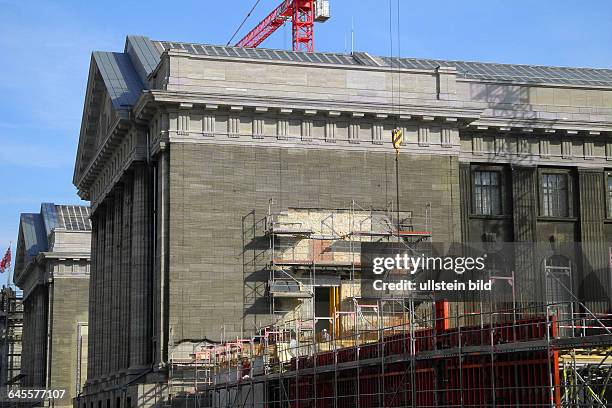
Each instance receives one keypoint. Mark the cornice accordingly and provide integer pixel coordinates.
(546, 125)
(118, 129)
(436, 108)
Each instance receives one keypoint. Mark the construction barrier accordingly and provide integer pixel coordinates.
(529, 379)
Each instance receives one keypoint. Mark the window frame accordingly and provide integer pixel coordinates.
(608, 194)
(503, 206)
(569, 193)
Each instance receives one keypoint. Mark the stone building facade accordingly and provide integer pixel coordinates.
(183, 145)
(52, 270)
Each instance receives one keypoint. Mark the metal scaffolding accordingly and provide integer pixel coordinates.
(526, 363)
(396, 352)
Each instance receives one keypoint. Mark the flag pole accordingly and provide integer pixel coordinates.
(11, 270)
(6, 262)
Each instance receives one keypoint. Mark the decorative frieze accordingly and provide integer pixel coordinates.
(233, 126)
(377, 133)
(566, 148)
(282, 129)
(447, 137)
(307, 130)
(477, 148)
(183, 123)
(208, 125)
(523, 147)
(311, 125)
(501, 147)
(588, 148)
(330, 131)
(423, 136)
(404, 132)
(544, 148)
(258, 128)
(353, 134)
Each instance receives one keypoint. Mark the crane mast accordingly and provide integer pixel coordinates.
(302, 13)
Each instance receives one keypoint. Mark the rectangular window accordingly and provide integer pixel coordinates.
(487, 193)
(609, 194)
(554, 195)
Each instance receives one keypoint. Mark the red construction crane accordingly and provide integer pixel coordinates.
(302, 13)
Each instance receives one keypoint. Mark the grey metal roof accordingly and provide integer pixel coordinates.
(38, 226)
(512, 72)
(73, 217)
(120, 78)
(465, 69)
(259, 53)
(125, 74)
(34, 236)
(49, 217)
(35, 229)
(143, 54)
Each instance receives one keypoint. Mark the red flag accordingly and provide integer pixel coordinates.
(6, 260)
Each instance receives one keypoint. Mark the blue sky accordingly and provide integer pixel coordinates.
(45, 51)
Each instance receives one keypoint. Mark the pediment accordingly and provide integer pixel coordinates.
(113, 87)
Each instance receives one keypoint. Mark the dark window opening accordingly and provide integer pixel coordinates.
(609, 195)
(322, 308)
(554, 193)
(487, 193)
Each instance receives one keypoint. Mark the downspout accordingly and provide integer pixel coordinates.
(49, 335)
(164, 214)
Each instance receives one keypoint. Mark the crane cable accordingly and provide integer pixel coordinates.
(243, 21)
(399, 66)
(396, 102)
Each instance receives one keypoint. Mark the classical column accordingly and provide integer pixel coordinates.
(41, 323)
(107, 334)
(116, 299)
(126, 258)
(464, 200)
(91, 338)
(524, 217)
(98, 318)
(595, 275)
(140, 316)
(524, 187)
